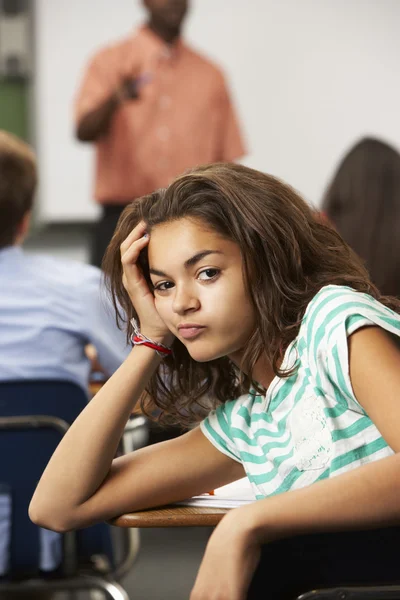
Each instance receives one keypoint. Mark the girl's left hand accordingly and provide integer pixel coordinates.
(229, 562)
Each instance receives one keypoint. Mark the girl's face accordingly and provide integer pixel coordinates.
(199, 289)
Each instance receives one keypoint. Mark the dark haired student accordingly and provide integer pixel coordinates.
(231, 286)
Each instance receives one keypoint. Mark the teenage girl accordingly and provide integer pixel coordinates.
(232, 290)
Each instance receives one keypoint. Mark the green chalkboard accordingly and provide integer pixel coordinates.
(14, 106)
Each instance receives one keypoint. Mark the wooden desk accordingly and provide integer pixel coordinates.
(172, 516)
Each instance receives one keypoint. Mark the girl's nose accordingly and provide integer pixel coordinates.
(185, 300)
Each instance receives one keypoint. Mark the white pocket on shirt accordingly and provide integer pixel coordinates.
(312, 439)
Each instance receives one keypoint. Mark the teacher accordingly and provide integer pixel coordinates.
(153, 107)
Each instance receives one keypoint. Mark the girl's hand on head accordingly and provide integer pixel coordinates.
(229, 562)
(136, 285)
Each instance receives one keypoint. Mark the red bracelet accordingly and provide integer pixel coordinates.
(141, 341)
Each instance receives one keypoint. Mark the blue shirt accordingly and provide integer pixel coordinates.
(49, 310)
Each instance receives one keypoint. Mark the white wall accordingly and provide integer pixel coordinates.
(308, 78)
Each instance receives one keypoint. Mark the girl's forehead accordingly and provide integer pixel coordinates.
(179, 240)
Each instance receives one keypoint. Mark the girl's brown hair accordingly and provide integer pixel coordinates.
(288, 256)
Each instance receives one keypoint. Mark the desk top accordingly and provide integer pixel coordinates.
(172, 516)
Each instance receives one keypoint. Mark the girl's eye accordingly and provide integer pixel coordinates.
(163, 286)
(208, 274)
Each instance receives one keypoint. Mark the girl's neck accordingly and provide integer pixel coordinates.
(262, 372)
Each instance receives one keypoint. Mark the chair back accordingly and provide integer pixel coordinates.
(26, 445)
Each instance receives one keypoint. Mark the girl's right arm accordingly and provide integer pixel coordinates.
(83, 483)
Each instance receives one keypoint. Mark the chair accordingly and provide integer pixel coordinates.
(340, 565)
(372, 592)
(371, 554)
(34, 415)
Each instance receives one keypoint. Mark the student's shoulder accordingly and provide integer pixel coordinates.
(334, 300)
(63, 273)
(337, 311)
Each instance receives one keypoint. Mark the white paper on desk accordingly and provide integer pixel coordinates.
(231, 495)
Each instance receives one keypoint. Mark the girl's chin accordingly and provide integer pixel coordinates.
(205, 355)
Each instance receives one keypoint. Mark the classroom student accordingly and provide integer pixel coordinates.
(153, 107)
(231, 286)
(363, 202)
(51, 310)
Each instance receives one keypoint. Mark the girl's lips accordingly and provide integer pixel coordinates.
(188, 333)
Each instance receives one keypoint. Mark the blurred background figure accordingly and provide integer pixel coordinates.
(55, 322)
(153, 107)
(363, 203)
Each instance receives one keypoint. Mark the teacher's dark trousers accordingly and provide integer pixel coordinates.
(103, 231)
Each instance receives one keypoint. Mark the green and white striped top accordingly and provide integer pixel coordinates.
(308, 426)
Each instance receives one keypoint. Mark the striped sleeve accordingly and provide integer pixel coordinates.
(217, 429)
(334, 314)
